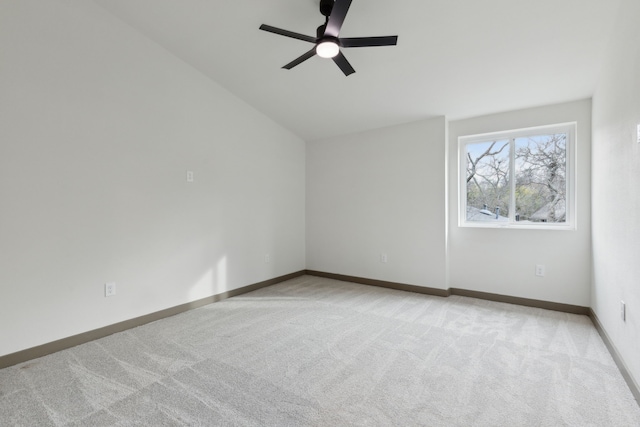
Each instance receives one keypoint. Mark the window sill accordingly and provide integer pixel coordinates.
(513, 226)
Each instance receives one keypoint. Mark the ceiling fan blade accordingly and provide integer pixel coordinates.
(369, 41)
(338, 13)
(287, 33)
(300, 60)
(344, 65)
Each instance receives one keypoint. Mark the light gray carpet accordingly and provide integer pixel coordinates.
(318, 352)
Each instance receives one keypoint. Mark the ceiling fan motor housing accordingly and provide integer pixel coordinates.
(322, 38)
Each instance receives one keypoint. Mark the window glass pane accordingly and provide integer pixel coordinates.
(541, 186)
(488, 185)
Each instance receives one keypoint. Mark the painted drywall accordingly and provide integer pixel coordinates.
(98, 128)
(502, 261)
(379, 192)
(616, 194)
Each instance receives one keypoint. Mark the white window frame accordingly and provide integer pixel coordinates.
(571, 147)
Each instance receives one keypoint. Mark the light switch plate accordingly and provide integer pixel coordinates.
(638, 133)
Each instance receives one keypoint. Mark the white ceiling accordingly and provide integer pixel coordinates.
(459, 58)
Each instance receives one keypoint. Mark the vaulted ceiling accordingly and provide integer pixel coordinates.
(459, 58)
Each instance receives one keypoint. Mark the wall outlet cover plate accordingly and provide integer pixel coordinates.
(109, 289)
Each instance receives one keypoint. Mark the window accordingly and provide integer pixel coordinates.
(520, 179)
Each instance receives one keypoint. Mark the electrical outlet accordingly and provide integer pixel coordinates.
(383, 258)
(189, 176)
(540, 270)
(623, 311)
(638, 133)
(109, 289)
(267, 258)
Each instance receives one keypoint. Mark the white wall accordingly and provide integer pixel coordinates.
(98, 127)
(616, 193)
(381, 191)
(502, 261)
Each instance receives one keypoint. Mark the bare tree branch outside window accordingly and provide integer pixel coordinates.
(540, 168)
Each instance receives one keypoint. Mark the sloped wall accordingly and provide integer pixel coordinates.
(99, 126)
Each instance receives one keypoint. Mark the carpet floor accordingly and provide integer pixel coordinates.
(320, 352)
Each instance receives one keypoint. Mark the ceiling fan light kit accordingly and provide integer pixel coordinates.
(327, 49)
(327, 43)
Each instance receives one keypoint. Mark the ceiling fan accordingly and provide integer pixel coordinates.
(327, 43)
